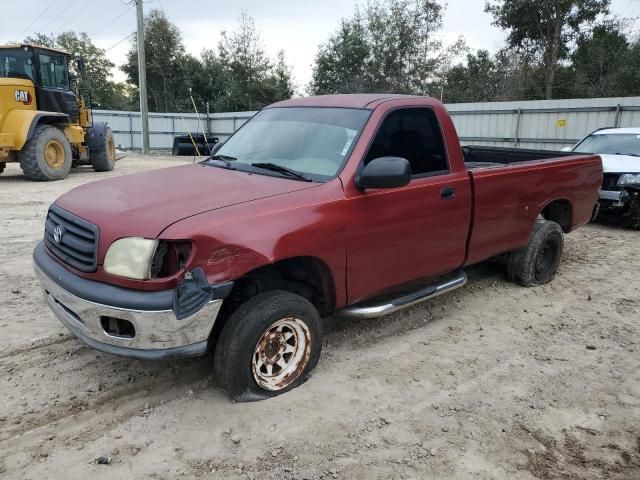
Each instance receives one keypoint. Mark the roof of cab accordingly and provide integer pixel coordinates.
(33, 45)
(358, 100)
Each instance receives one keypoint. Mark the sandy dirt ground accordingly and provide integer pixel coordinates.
(492, 381)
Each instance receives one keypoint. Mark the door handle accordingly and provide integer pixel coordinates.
(447, 193)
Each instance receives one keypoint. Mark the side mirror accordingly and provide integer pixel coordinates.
(80, 65)
(385, 172)
(217, 147)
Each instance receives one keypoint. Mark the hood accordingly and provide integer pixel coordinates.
(620, 164)
(144, 204)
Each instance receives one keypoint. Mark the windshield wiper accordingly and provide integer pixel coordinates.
(226, 159)
(629, 154)
(280, 169)
(219, 156)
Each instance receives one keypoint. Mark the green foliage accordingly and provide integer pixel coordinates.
(545, 28)
(167, 88)
(605, 64)
(252, 80)
(391, 46)
(95, 83)
(238, 77)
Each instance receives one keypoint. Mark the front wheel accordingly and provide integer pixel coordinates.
(537, 263)
(46, 155)
(269, 346)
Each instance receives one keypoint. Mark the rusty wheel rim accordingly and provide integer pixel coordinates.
(281, 354)
(111, 149)
(54, 154)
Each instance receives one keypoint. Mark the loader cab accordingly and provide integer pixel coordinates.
(48, 69)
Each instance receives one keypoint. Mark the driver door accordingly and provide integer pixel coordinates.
(399, 235)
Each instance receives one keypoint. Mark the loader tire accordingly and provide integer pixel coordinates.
(2, 165)
(46, 155)
(537, 262)
(102, 149)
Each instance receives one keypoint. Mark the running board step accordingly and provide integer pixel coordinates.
(406, 301)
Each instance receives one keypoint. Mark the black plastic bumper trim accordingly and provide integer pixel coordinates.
(111, 295)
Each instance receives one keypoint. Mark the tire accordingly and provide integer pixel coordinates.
(242, 371)
(102, 149)
(46, 155)
(2, 167)
(537, 263)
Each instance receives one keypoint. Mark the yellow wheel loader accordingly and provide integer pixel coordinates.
(43, 124)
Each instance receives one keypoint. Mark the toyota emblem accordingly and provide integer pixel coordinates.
(57, 234)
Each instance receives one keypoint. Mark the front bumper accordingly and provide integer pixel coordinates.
(614, 198)
(76, 302)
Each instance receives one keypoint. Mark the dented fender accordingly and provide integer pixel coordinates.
(236, 240)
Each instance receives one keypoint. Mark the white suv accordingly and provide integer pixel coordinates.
(620, 152)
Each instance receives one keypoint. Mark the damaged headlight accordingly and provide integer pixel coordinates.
(628, 179)
(142, 258)
(130, 258)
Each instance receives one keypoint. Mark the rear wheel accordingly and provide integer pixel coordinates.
(102, 148)
(269, 346)
(537, 263)
(46, 155)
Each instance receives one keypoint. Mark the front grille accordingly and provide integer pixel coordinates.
(610, 182)
(77, 241)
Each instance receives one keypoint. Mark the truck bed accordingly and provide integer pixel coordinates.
(521, 183)
(483, 157)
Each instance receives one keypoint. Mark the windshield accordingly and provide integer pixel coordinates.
(16, 63)
(313, 141)
(619, 143)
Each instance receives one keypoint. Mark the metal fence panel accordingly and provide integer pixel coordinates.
(543, 124)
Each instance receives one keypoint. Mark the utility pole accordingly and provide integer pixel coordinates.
(142, 79)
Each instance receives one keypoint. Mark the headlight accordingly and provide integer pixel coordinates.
(629, 179)
(130, 258)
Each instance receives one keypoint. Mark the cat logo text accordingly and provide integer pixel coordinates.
(23, 96)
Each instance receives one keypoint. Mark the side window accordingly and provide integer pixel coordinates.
(414, 134)
(53, 70)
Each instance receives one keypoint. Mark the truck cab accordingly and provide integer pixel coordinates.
(48, 70)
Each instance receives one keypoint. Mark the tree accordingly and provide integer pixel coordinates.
(253, 80)
(238, 77)
(477, 81)
(167, 84)
(545, 27)
(94, 84)
(391, 46)
(340, 64)
(604, 64)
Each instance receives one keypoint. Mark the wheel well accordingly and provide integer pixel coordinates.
(47, 119)
(308, 277)
(559, 211)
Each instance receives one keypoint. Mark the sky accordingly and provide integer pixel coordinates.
(296, 26)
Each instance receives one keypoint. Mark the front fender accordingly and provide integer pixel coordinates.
(21, 124)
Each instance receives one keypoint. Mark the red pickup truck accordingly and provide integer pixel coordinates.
(348, 205)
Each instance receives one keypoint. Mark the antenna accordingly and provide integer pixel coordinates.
(206, 141)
